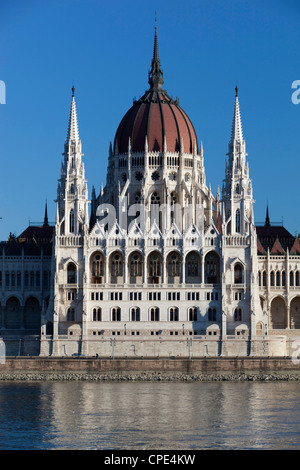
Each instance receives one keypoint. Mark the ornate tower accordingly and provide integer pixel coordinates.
(72, 193)
(237, 187)
(67, 301)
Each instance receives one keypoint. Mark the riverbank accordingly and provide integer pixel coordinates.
(149, 369)
(146, 377)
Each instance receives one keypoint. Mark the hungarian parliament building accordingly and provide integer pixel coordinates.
(155, 265)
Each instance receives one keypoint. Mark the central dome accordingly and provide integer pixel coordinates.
(157, 117)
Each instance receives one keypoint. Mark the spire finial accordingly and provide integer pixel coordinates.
(236, 131)
(46, 223)
(155, 74)
(73, 133)
(267, 221)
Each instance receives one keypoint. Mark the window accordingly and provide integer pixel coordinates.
(31, 278)
(135, 314)
(154, 314)
(291, 278)
(136, 266)
(26, 279)
(212, 314)
(238, 314)
(272, 281)
(116, 314)
(193, 314)
(72, 221)
(19, 278)
(174, 314)
(277, 278)
(97, 314)
(238, 273)
(237, 221)
(117, 266)
(71, 314)
(71, 274)
(174, 266)
(13, 279)
(154, 266)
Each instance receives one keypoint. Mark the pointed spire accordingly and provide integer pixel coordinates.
(46, 223)
(267, 221)
(73, 133)
(155, 74)
(236, 132)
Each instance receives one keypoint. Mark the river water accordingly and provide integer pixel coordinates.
(155, 415)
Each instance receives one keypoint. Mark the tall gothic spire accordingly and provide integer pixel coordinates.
(155, 74)
(236, 131)
(73, 133)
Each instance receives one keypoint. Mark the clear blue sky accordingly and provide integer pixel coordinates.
(205, 46)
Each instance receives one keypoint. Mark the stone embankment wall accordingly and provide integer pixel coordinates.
(120, 369)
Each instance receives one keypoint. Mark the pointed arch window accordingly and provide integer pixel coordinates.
(116, 314)
(193, 314)
(238, 221)
(154, 314)
(238, 273)
(174, 314)
(71, 314)
(135, 314)
(71, 273)
(72, 221)
(97, 314)
(238, 314)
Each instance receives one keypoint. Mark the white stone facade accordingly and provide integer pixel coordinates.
(162, 267)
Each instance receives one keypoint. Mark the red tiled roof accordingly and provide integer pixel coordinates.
(156, 116)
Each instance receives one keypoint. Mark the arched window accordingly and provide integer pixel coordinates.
(193, 314)
(154, 314)
(31, 278)
(72, 221)
(71, 273)
(135, 266)
(212, 268)
(272, 280)
(174, 265)
(97, 314)
(19, 278)
(26, 279)
(264, 278)
(135, 314)
(238, 314)
(238, 274)
(13, 279)
(117, 265)
(283, 278)
(259, 278)
(297, 278)
(37, 278)
(291, 278)
(71, 314)
(174, 314)
(277, 278)
(154, 265)
(212, 314)
(116, 314)
(237, 221)
(97, 268)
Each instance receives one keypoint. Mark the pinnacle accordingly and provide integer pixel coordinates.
(73, 133)
(237, 131)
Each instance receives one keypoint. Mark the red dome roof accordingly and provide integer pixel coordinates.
(156, 116)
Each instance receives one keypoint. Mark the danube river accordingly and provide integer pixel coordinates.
(149, 415)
